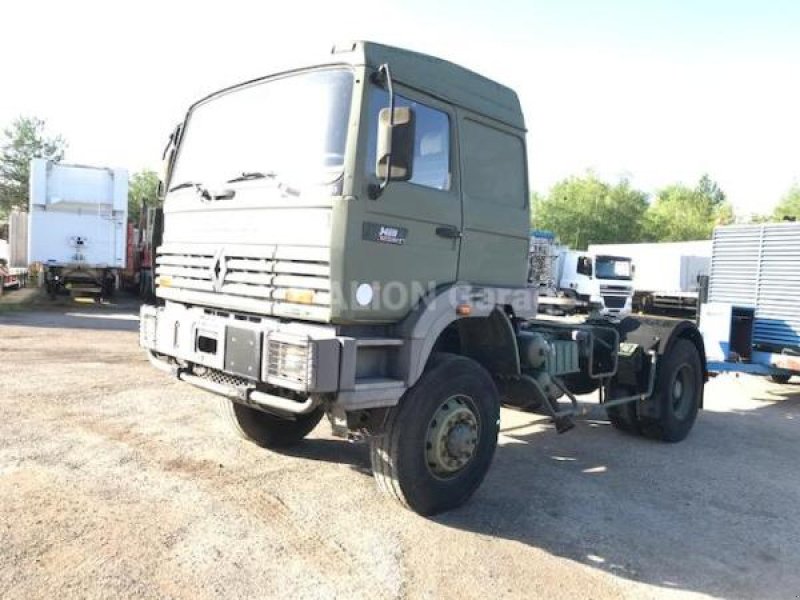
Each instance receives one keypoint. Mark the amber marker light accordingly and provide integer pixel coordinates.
(464, 310)
(300, 296)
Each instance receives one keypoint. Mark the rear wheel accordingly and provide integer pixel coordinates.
(624, 416)
(679, 387)
(265, 429)
(439, 440)
(780, 378)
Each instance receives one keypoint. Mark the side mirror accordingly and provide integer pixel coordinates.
(395, 144)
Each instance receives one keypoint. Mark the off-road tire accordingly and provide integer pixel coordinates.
(399, 455)
(782, 379)
(264, 429)
(624, 417)
(675, 421)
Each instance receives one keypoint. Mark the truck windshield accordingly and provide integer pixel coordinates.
(293, 128)
(610, 267)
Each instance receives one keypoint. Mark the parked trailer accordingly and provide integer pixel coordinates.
(18, 240)
(137, 276)
(751, 322)
(10, 278)
(76, 226)
(666, 274)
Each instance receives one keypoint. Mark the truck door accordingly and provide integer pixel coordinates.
(411, 233)
(494, 181)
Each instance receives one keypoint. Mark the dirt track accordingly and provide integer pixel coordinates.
(116, 481)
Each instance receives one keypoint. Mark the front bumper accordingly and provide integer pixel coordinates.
(252, 352)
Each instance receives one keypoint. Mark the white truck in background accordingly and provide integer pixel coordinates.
(578, 279)
(666, 274)
(77, 226)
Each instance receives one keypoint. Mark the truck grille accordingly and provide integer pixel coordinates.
(614, 302)
(289, 281)
(614, 296)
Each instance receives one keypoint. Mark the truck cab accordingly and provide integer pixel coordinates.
(351, 239)
(603, 280)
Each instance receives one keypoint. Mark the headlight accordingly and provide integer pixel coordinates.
(289, 361)
(301, 363)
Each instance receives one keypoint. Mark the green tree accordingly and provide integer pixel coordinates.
(585, 210)
(680, 213)
(23, 140)
(789, 206)
(711, 190)
(142, 191)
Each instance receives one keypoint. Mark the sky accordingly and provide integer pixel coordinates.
(653, 91)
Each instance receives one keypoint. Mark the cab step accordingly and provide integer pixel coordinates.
(373, 392)
(378, 342)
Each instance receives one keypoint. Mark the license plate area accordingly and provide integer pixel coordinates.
(243, 352)
(206, 344)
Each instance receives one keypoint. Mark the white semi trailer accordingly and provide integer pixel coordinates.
(76, 226)
(666, 274)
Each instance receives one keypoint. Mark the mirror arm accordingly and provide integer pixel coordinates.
(384, 76)
(171, 147)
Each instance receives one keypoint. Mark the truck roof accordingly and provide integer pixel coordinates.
(443, 79)
(440, 78)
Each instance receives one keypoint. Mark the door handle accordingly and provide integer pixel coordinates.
(448, 231)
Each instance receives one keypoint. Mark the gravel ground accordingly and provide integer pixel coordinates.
(117, 482)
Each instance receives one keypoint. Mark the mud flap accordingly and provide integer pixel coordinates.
(640, 335)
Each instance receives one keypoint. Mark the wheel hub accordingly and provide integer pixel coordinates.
(452, 436)
(682, 392)
(677, 389)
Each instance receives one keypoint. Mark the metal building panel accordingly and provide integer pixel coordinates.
(758, 266)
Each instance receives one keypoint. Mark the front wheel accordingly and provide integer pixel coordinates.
(780, 378)
(679, 388)
(439, 440)
(265, 429)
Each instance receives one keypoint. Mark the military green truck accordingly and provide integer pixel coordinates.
(351, 239)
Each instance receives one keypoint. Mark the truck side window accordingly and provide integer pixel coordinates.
(431, 143)
(494, 165)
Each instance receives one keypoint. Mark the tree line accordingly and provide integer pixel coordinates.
(581, 210)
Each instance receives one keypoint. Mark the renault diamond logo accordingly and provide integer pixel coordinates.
(218, 271)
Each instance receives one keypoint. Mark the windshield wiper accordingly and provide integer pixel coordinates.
(186, 184)
(252, 175)
(203, 191)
